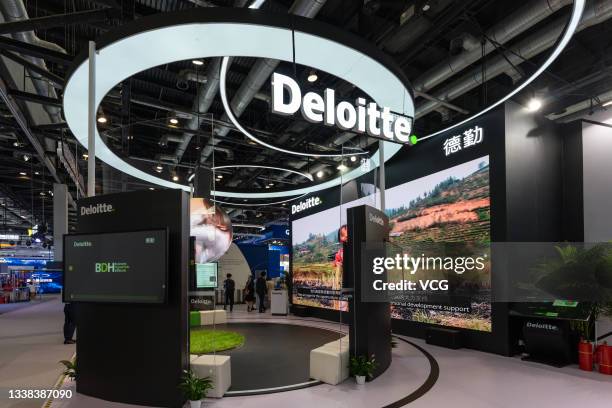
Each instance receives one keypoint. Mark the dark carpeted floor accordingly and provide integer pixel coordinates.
(273, 355)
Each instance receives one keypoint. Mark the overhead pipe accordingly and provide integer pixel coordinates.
(596, 12)
(15, 10)
(259, 74)
(517, 23)
(580, 109)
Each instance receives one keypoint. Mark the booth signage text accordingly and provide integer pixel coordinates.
(365, 118)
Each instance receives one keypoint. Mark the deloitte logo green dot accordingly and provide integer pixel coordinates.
(414, 139)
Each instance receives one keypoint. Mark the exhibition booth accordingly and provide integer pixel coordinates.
(428, 238)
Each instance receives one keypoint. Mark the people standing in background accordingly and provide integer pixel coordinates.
(229, 286)
(32, 289)
(261, 287)
(249, 294)
(69, 323)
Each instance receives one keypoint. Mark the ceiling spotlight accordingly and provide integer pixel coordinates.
(85, 156)
(353, 158)
(42, 193)
(26, 157)
(267, 186)
(534, 105)
(271, 184)
(102, 119)
(23, 173)
(36, 173)
(320, 174)
(341, 167)
(159, 168)
(174, 121)
(37, 240)
(312, 77)
(197, 62)
(219, 176)
(175, 178)
(151, 188)
(426, 7)
(16, 144)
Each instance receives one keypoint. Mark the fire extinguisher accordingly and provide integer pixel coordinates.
(605, 359)
(585, 355)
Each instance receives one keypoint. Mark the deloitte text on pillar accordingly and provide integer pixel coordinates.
(365, 118)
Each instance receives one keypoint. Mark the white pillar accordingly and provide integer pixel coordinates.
(91, 128)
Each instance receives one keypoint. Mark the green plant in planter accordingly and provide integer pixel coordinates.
(362, 366)
(195, 388)
(69, 368)
(579, 273)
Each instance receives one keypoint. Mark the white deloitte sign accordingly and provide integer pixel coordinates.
(306, 204)
(99, 208)
(363, 118)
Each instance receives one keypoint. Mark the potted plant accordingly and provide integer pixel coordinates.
(69, 369)
(195, 388)
(362, 367)
(580, 272)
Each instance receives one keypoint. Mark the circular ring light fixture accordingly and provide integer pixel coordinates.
(256, 166)
(568, 33)
(234, 120)
(260, 204)
(202, 33)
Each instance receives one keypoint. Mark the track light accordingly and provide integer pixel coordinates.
(174, 121)
(534, 105)
(341, 167)
(353, 158)
(85, 156)
(197, 62)
(320, 174)
(23, 173)
(312, 77)
(26, 158)
(175, 178)
(102, 119)
(159, 168)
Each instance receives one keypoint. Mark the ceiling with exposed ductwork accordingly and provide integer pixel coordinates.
(460, 56)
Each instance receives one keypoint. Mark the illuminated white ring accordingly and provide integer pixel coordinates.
(256, 166)
(570, 29)
(202, 33)
(260, 204)
(232, 118)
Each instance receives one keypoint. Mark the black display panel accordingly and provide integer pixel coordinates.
(122, 267)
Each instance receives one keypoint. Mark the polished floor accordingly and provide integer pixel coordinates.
(31, 345)
(466, 379)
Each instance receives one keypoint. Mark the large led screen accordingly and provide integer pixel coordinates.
(318, 256)
(450, 206)
(448, 211)
(125, 267)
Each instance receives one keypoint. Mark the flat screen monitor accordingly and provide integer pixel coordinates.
(119, 267)
(206, 275)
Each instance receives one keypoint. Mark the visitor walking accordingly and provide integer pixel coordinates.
(249, 294)
(261, 287)
(229, 286)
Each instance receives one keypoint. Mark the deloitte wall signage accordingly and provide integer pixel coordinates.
(306, 204)
(363, 118)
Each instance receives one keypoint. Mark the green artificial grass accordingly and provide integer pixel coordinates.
(208, 341)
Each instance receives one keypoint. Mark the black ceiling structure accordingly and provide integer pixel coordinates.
(460, 55)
